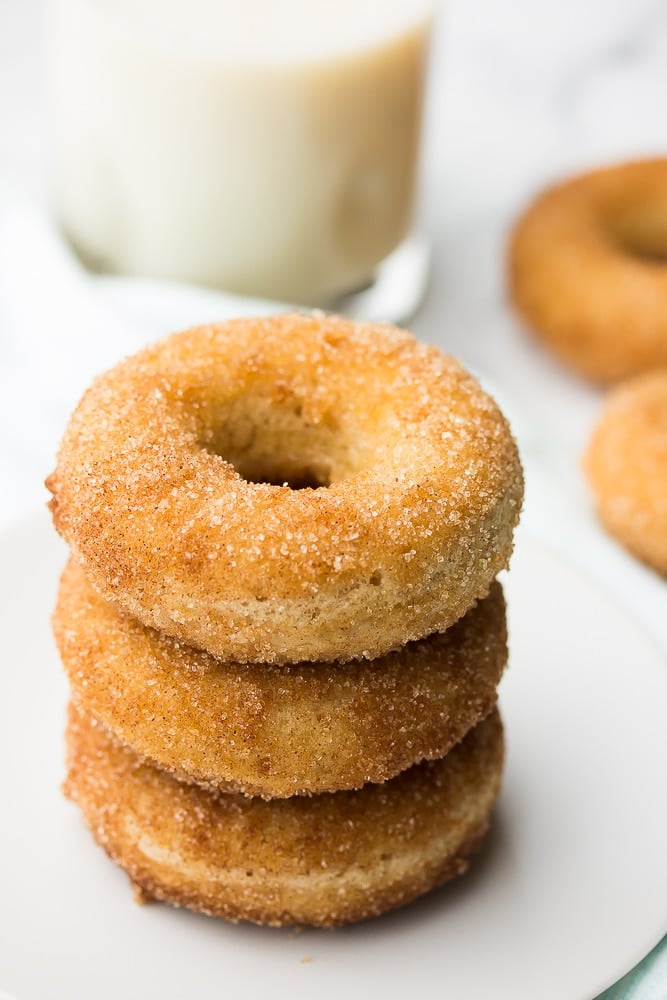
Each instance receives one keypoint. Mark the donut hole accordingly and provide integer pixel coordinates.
(274, 441)
(303, 479)
(641, 232)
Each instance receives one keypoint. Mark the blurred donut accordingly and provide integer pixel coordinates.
(323, 860)
(168, 488)
(626, 465)
(273, 730)
(588, 270)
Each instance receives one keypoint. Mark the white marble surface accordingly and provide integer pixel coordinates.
(521, 93)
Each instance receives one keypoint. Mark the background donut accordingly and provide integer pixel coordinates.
(273, 730)
(588, 270)
(626, 466)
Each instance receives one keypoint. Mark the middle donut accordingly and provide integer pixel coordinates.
(278, 731)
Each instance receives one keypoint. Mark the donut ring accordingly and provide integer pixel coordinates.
(277, 731)
(322, 860)
(420, 489)
(588, 270)
(626, 466)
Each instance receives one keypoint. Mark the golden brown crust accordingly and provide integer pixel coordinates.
(322, 860)
(626, 466)
(273, 730)
(425, 489)
(588, 269)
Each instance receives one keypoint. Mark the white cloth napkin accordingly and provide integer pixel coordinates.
(59, 326)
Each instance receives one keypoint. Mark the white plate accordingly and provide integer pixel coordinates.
(570, 893)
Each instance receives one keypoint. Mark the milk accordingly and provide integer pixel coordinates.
(265, 147)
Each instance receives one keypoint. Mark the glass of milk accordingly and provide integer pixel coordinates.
(266, 147)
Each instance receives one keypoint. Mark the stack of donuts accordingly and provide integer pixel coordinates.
(280, 620)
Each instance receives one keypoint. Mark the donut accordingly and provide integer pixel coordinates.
(626, 466)
(290, 488)
(322, 860)
(270, 730)
(588, 270)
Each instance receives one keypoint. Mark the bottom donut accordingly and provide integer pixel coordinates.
(323, 860)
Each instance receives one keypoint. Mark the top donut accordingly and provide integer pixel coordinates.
(289, 488)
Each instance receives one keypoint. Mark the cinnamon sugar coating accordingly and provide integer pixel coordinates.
(626, 466)
(165, 488)
(270, 730)
(323, 860)
(588, 272)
